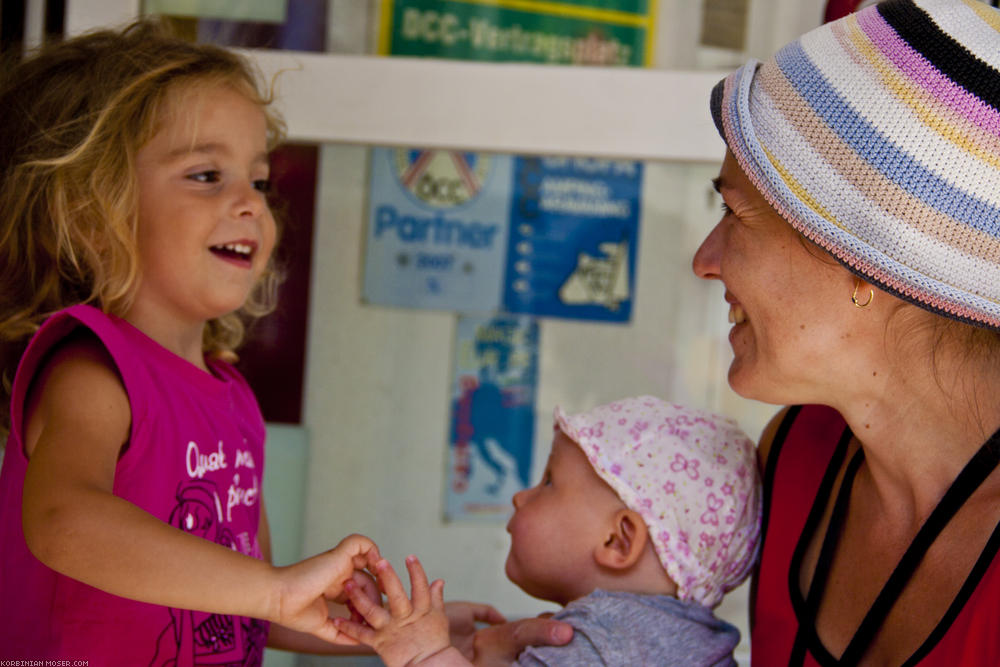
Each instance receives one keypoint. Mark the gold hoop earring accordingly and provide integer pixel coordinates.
(854, 297)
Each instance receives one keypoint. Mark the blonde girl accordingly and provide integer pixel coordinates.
(135, 237)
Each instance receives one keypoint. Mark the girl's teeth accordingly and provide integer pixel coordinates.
(241, 248)
(736, 314)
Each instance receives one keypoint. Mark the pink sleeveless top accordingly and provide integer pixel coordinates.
(194, 459)
(806, 454)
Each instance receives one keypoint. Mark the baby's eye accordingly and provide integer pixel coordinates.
(209, 176)
(262, 185)
(547, 478)
(725, 209)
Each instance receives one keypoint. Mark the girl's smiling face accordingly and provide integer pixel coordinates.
(205, 232)
(789, 304)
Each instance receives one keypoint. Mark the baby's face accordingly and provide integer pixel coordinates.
(558, 524)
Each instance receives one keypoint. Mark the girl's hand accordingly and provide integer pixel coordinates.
(306, 586)
(409, 631)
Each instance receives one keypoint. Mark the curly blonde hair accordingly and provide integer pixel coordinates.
(72, 119)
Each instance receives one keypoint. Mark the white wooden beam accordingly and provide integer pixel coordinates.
(507, 108)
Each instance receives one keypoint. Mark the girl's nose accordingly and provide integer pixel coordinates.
(250, 202)
(706, 260)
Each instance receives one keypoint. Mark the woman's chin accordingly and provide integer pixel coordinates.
(753, 386)
(745, 381)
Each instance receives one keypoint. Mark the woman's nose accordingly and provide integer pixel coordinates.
(705, 263)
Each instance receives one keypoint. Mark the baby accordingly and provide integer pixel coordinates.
(646, 515)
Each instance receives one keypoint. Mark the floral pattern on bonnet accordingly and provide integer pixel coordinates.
(691, 474)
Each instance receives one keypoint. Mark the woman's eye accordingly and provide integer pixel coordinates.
(262, 185)
(210, 176)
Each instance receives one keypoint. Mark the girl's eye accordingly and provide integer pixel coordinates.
(262, 185)
(210, 176)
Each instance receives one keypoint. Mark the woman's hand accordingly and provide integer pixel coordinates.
(462, 620)
(499, 645)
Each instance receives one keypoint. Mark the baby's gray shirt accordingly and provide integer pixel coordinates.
(611, 628)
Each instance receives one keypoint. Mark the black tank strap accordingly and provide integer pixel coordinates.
(806, 632)
(972, 476)
(825, 561)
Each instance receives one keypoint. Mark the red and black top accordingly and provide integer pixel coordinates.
(805, 458)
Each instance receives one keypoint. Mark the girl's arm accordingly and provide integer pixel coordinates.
(77, 420)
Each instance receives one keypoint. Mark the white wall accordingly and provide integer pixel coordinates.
(378, 379)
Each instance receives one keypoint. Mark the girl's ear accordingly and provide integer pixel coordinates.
(625, 541)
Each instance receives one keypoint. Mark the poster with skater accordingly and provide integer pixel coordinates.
(492, 415)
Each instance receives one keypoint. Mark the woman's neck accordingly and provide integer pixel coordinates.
(919, 424)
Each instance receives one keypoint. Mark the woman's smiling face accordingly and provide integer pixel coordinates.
(788, 303)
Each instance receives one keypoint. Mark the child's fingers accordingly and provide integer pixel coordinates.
(351, 554)
(366, 583)
(437, 595)
(355, 615)
(419, 588)
(353, 632)
(372, 566)
(399, 602)
(373, 614)
(360, 549)
(329, 632)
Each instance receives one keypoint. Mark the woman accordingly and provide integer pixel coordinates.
(860, 254)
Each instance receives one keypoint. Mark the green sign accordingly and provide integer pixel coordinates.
(266, 11)
(570, 32)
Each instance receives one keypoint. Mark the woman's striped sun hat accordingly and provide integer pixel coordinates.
(877, 136)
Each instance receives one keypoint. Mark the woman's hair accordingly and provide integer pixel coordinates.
(72, 119)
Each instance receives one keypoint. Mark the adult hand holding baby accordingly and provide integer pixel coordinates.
(464, 619)
(499, 645)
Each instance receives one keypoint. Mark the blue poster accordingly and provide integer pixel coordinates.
(437, 229)
(479, 233)
(574, 231)
(492, 415)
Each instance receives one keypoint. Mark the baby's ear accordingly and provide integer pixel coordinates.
(624, 542)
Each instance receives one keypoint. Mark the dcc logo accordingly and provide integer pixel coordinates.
(441, 178)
